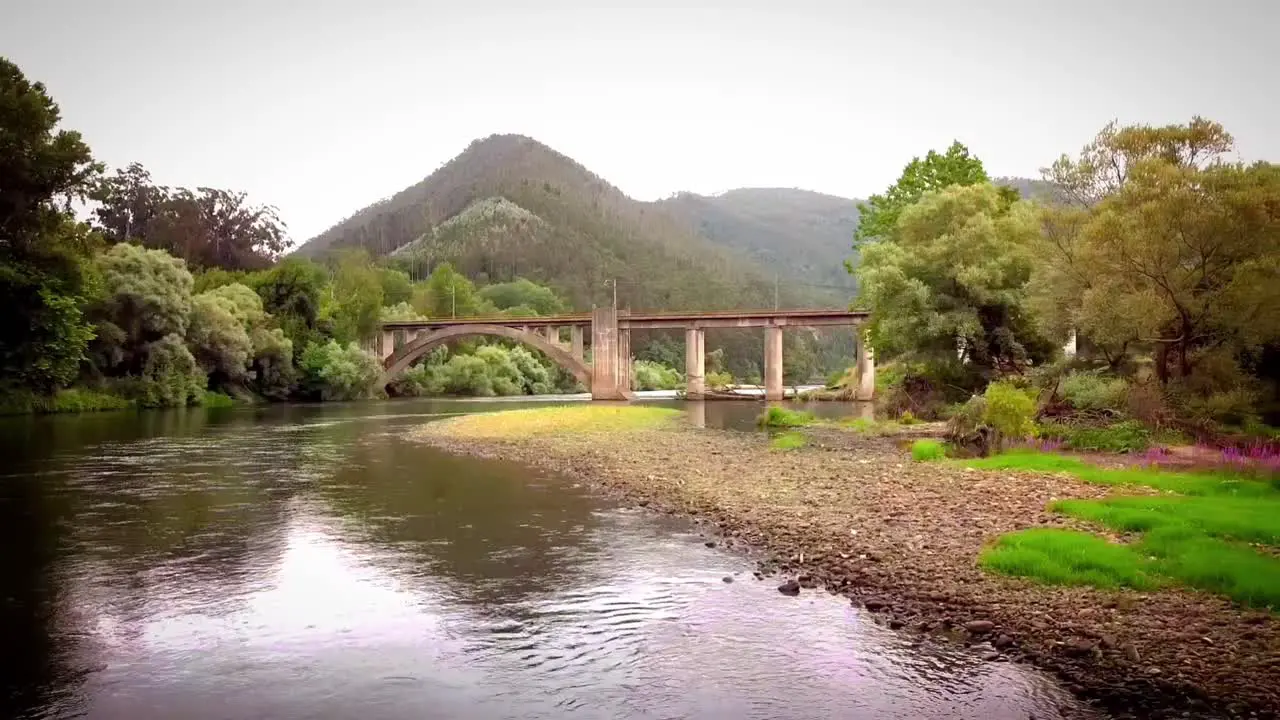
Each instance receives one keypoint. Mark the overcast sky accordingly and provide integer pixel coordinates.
(322, 107)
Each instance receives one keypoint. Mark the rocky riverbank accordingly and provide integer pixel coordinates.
(854, 515)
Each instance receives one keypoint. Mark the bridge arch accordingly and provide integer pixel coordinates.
(404, 356)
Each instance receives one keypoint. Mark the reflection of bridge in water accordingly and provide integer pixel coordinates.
(608, 374)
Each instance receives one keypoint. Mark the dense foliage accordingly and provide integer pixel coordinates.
(1156, 254)
(174, 297)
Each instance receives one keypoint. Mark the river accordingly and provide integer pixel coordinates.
(310, 562)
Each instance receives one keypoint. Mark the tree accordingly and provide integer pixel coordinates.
(355, 297)
(396, 286)
(952, 282)
(146, 296)
(879, 214)
(448, 293)
(1167, 247)
(292, 292)
(44, 278)
(523, 293)
(207, 227)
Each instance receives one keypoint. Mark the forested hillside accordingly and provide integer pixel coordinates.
(802, 236)
(511, 207)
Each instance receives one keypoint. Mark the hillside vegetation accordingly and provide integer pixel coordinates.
(510, 207)
(803, 236)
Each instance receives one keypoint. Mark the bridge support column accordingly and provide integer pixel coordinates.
(575, 341)
(552, 334)
(695, 363)
(624, 359)
(773, 362)
(866, 389)
(605, 383)
(386, 344)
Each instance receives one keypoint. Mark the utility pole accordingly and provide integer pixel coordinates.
(453, 300)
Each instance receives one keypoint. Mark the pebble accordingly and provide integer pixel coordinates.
(790, 587)
(726, 579)
(978, 627)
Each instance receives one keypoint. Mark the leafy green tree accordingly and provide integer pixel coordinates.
(354, 301)
(448, 293)
(879, 214)
(170, 376)
(1168, 247)
(207, 227)
(340, 372)
(953, 282)
(401, 311)
(218, 340)
(523, 293)
(292, 292)
(44, 274)
(396, 286)
(146, 296)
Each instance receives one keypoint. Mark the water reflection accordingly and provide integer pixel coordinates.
(309, 562)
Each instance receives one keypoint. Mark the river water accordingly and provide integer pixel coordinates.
(311, 562)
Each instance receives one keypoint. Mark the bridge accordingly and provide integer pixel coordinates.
(608, 374)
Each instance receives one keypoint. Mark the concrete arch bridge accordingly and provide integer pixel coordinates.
(608, 375)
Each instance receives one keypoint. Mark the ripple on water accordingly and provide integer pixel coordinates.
(330, 569)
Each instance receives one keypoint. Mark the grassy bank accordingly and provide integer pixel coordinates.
(556, 420)
(70, 400)
(1216, 531)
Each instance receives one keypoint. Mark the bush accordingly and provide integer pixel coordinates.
(170, 376)
(718, 380)
(650, 375)
(908, 418)
(421, 380)
(780, 417)
(1010, 411)
(1124, 437)
(340, 372)
(216, 400)
(925, 450)
(1092, 392)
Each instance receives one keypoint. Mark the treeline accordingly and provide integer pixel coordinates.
(167, 297)
(1152, 251)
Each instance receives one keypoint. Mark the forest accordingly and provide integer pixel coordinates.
(1152, 254)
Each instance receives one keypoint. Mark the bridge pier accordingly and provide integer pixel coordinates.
(605, 378)
(695, 363)
(386, 344)
(575, 342)
(866, 370)
(773, 362)
(624, 359)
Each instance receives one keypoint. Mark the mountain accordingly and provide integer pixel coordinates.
(803, 236)
(510, 206)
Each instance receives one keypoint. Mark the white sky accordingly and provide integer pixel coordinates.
(322, 107)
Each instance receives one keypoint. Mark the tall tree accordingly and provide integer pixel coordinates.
(953, 280)
(1169, 247)
(207, 227)
(355, 297)
(879, 214)
(43, 252)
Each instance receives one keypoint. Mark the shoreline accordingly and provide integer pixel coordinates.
(852, 514)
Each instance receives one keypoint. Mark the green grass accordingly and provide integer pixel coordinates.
(217, 400)
(924, 450)
(864, 426)
(1183, 483)
(1067, 557)
(788, 441)
(780, 417)
(555, 420)
(69, 400)
(1199, 534)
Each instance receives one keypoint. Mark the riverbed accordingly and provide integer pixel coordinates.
(315, 562)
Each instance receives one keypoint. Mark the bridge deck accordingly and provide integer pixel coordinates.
(674, 319)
